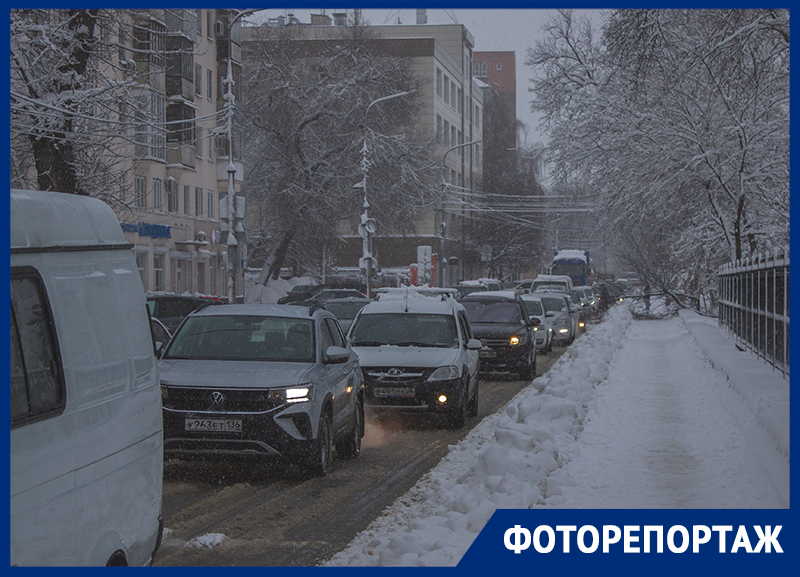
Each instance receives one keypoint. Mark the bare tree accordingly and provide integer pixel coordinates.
(307, 104)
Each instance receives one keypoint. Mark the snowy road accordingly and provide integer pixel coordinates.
(657, 435)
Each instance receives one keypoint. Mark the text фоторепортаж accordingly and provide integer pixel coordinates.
(588, 539)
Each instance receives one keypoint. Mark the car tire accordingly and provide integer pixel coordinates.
(350, 448)
(472, 408)
(528, 372)
(457, 416)
(320, 459)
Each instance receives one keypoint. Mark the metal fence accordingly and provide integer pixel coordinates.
(754, 306)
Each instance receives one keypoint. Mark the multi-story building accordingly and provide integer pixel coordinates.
(176, 213)
(498, 71)
(451, 114)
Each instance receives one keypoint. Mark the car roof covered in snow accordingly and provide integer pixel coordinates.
(48, 220)
(413, 300)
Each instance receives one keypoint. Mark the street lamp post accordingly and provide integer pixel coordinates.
(443, 224)
(367, 227)
(231, 241)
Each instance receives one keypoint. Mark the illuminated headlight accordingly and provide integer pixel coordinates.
(580, 324)
(563, 331)
(513, 341)
(444, 373)
(535, 329)
(299, 394)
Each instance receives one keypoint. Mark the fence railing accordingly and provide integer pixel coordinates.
(754, 305)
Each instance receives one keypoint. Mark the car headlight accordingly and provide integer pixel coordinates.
(563, 331)
(298, 394)
(444, 373)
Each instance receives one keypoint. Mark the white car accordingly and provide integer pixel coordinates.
(543, 332)
(417, 353)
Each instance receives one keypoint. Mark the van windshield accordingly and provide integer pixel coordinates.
(534, 308)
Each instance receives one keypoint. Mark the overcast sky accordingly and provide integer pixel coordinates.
(494, 30)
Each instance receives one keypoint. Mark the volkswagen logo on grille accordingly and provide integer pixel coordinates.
(394, 372)
(216, 399)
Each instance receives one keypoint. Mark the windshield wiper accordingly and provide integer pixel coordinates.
(414, 344)
(367, 344)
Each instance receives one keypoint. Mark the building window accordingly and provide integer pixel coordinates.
(182, 123)
(210, 24)
(157, 202)
(198, 202)
(439, 137)
(199, 22)
(211, 204)
(460, 101)
(477, 117)
(198, 145)
(446, 134)
(172, 195)
(460, 141)
(210, 145)
(182, 275)
(141, 264)
(438, 83)
(453, 136)
(499, 65)
(446, 90)
(209, 85)
(198, 80)
(186, 200)
(36, 375)
(140, 192)
(158, 272)
(484, 69)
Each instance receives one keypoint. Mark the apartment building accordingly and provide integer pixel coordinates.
(451, 114)
(175, 212)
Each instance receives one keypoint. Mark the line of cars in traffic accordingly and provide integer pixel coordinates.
(295, 380)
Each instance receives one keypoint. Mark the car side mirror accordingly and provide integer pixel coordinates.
(550, 314)
(534, 322)
(334, 355)
(474, 345)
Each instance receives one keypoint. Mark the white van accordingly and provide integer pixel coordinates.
(552, 280)
(86, 433)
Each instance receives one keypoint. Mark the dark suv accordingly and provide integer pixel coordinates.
(499, 319)
(172, 308)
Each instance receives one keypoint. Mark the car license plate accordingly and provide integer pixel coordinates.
(486, 354)
(394, 392)
(215, 425)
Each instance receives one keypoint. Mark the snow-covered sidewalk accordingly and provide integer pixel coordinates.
(656, 435)
(529, 453)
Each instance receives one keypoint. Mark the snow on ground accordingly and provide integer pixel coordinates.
(611, 414)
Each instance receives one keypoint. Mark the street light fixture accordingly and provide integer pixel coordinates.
(443, 224)
(231, 242)
(367, 227)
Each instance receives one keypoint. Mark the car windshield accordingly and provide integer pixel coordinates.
(554, 304)
(404, 329)
(534, 308)
(244, 338)
(492, 311)
(345, 310)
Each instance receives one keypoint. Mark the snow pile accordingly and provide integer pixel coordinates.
(503, 462)
(255, 292)
(208, 540)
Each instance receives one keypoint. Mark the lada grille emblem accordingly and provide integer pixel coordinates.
(394, 372)
(216, 398)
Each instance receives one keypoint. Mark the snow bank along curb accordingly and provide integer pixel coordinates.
(503, 462)
(765, 391)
